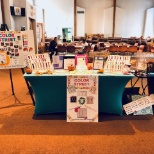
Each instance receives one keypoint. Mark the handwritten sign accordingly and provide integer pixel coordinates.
(139, 104)
(116, 63)
(39, 62)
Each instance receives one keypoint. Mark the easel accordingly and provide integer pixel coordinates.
(28, 85)
(29, 88)
(4, 27)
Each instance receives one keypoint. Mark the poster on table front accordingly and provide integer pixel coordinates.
(82, 98)
(14, 47)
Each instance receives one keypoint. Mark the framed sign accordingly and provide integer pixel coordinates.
(82, 98)
(98, 63)
(69, 61)
(17, 11)
(81, 60)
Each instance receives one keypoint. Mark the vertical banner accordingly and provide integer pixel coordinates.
(82, 98)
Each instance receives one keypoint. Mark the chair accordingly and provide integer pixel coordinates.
(124, 40)
(104, 39)
(152, 49)
(132, 49)
(70, 49)
(113, 49)
(89, 41)
(61, 49)
(87, 49)
(94, 38)
(101, 40)
(111, 41)
(94, 41)
(141, 48)
(101, 46)
(122, 49)
(131, 41)
(76, 39)
(118, 39)
(82, 38)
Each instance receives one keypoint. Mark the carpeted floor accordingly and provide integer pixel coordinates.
(23, 132)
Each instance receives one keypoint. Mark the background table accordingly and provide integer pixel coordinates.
(50, 92)
(150, 82)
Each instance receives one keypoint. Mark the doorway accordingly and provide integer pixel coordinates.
(67, 34)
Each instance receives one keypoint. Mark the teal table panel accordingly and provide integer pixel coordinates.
(50, 93)
(110, 92)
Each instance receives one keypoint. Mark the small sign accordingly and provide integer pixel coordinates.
(39, 62)
(81, 60)
(98, 63)
(139, 104)
(58, 61)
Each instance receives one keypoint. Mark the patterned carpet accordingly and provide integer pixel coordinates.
(23, 132)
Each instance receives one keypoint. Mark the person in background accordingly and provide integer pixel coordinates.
(84, 43)
(53, 47)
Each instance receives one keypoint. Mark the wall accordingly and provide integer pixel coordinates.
(15, 22)
(134, 16)
(7, 15)
(58, 14)
(30, 2)
(0, 14)
(149, 23)
(18, 20)
(108, 22)
(94, 14)
(39, 14)
(119, 22)
(80, 22)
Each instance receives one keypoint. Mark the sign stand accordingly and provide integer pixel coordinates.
(4, 27)
(29, 88)
(11, 81)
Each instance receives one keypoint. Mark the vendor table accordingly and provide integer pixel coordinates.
(50, 92)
